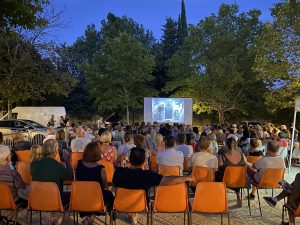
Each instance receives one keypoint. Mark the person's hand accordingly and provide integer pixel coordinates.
(190, 179)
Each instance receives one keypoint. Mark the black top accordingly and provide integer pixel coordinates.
(136, 178)
(84, 173)
(256, 153)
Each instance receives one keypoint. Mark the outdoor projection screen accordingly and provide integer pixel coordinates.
(168, 110)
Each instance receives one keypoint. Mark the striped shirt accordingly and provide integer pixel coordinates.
(8, 176)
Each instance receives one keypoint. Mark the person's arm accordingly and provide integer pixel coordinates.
(172, 180)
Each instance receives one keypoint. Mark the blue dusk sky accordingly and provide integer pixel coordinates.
(151, 13)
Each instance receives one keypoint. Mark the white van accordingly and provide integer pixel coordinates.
(40, 114)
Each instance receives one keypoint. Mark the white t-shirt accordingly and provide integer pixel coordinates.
(79, 143)
(187, 150)
(170, 157)
(49, 137)
(124, 148)
(276, 162)
(203, 159)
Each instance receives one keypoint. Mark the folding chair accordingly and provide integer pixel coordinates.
(169, 170)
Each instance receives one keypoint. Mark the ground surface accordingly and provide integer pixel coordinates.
(238, 216)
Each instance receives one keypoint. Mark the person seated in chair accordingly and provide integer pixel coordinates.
(137, 178)
(293, 196)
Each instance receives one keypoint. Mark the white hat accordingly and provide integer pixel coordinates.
(4, 153)
(233, 136)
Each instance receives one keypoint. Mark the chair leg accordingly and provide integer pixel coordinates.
(242, 193)
(30, 217)
(249, 206)
(184, 218)
(74, 218)
(272, 192)
(259, 202)
(282, 216)
(221, 218)
(105, 218)
(151, 218)
(228, 218)
(148, 217)
(40, 218)
(191, 222)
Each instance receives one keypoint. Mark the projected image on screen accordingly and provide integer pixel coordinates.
(168, 110)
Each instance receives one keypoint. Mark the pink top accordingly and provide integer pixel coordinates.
(109, 155)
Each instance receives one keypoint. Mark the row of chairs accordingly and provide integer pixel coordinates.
(86, 196)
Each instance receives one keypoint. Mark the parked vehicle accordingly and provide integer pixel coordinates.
(31, 130)
(41, 115)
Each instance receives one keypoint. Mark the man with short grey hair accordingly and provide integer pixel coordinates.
(50, 134)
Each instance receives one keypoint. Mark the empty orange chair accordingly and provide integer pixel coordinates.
(44, 197)
(130, 201)
(171, 199)
(295, 212)
(202, 174)
(253, 159)
(23, 168)
(210, 197)
(236, 177)
(75, 156)
(109, 169)
(7, 201)
(86, 196)
(269, 180)
(23, 155)
(169, 170)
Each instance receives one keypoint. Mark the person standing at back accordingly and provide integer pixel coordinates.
(170, 157)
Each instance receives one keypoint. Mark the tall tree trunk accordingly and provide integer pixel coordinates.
(221, 117)
(9, 109)
(127, 109)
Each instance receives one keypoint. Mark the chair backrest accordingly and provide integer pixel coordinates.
(86, 196)
(7, 201)
(57, 157)
(253, 159)
(271, 177)
(171, 198)
(203, 174)
(23, 155)
(210, 197)
(109, 169)
(186, 164)
(130, 201)
(169, 170)
(75, 156)
(23, 168)
(235, 176)
(44, 196)
(153, 162)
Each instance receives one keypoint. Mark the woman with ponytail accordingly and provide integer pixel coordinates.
(231, 157)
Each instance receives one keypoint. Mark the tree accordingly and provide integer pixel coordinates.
(182, 24)
(119, 74)
(277, 60)
(214, 65)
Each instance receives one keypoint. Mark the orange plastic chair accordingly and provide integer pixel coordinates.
(169, 170)
(295, 212)
(171, 199)
(44, 197)
(23, 168)
(130, 201)
(7, 201)
(210, 197)
(253, 159)
(109, 169)
(153, 163)
(57, 157)
(86, 196)
(269, 180)
(75, 156)
(23, 155)
(236, 177)
(202, 174)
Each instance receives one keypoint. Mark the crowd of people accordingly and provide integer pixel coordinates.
(132, 148)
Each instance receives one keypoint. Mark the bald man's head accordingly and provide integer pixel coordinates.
(79, 132)
(50, 148)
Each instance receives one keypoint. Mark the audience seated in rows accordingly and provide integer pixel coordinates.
(137, 178)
